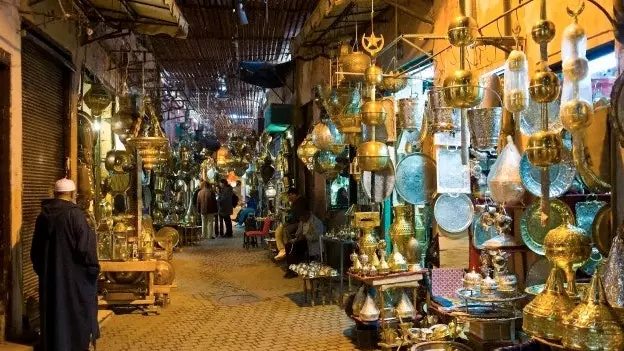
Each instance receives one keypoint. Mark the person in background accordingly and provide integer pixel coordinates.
(207, 208)
(306, 242)
(289, 226)
(226, 208)
(250, 209)
(64, 256)
(342, 198)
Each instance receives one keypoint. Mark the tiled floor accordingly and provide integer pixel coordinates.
(229, 298)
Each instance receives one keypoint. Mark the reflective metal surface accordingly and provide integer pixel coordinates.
(530, 119)
(453, 212)
(379, 185)
(602, 230)
(479, 234)
(531, 229)
(485, 125)
(561, 174)
(416, 178)
(613, 273)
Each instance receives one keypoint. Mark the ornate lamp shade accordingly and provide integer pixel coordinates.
(148, 137)
(97, 99)
(306, 152)
(123, 119)
(324, 161)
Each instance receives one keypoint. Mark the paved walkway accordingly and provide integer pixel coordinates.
(229, 298)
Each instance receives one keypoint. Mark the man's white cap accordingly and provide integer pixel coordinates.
(64, 186)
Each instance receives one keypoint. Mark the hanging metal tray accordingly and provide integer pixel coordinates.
(533, 233)
(454, 214)
(602, 230)
(586, 212)
(416, 178)
(561, 174)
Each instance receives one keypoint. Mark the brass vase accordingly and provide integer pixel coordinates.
(397, 261)
(402, 228)
(543, 316)
(568, 248)
(593, 324)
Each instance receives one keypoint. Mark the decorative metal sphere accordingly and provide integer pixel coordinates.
(544, 87)
(306, 152)
(574, 33)
(373, 75)
(355, 62)
(393, 82)
(97, 99)
(516, 101)
(517, 61)
(462, 31)
(575, 69)
(373, 113)
(373, 156)
(576, 115)
(462, 90)
(543, 31)
(165, 274)
(544, 148)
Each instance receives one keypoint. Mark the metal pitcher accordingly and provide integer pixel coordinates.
(485, 125)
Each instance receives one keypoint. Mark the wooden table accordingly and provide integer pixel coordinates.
(148, 267)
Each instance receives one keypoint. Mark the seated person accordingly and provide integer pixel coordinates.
(306, 241)
(289, 226)
(250, 209)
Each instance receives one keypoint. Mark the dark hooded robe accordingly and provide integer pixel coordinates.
(64, 256)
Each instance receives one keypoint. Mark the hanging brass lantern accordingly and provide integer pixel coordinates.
(324, 161)
(462, 31)
(544, 86)
(148, 138)
(123, 119)
(306, 151)
(326, 136)
(97, 99)
(223, 157)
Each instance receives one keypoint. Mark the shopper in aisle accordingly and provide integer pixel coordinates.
(226, 207)
(250, 209)
(207, 208)
(306, 242)
(289, 225)
(64, 256)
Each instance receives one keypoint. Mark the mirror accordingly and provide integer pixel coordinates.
(337, 193)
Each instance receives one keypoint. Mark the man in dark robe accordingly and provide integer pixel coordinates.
(64, 256)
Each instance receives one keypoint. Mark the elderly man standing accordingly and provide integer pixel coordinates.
(64, 256)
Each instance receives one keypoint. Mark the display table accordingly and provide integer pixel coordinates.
(336, 254)
(148, 267)
(410, 280)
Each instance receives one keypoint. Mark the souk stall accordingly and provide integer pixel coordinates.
(513, 160)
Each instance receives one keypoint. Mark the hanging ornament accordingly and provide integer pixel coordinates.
(306, 152)
(148, 138)
(97, 99)
(516, 82)
(325, 136)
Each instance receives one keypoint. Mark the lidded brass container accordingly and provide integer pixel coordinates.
(373, 156)
(544, 86)
(462, 90)
(462, 31)
(543, 316)
(368, 242)
(593, 324)
(373, 113)
(402, 227)
(373, 75)
(544, 148)
(568, 248)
